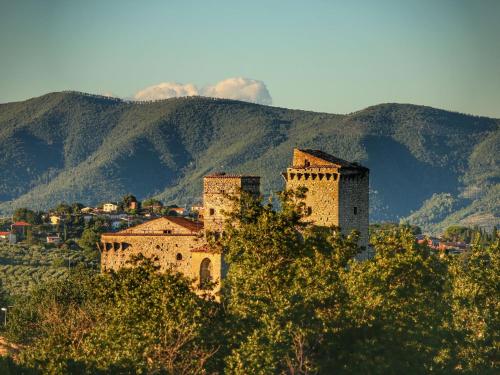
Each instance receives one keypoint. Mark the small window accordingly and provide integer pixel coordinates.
(309, 211)
(178, 256)
(212, 211)
(205, 272)
(306, 163)
(355, 210)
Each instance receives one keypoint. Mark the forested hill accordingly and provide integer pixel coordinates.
(431, 166)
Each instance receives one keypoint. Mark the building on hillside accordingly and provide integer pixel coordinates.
(338, 195)
(109, 207)
(4, 236)
(56, 240)
(55, 219)
(20, 229)
(337, 190)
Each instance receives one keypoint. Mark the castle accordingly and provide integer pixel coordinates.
(337, 195)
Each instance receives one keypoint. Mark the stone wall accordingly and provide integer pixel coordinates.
(216, 201)
(354, 204)
(322, 206)
(169, 250)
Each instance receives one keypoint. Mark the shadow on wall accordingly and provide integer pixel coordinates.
(402, 181)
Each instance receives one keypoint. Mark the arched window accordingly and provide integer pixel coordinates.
(178, 256)
(205, 272)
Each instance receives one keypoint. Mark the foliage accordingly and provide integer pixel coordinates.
(133, 321)
(27, 215)
(476, 309)
(295, 300)
(283, 291)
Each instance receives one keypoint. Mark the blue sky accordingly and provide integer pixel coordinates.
(331, 56)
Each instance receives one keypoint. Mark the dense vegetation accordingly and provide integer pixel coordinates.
(437, 166)
(294, 302)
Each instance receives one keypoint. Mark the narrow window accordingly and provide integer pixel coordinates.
(212, 211)
(178, 256)
(306, 163)
(355, 210)
(205, 272)
(309, 211)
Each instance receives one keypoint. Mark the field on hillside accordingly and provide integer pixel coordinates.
(23, 266)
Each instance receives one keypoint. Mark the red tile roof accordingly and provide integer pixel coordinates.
(4, 233)
(21, 224)
(194, 226)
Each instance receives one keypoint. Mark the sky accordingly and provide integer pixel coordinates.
(329, 56)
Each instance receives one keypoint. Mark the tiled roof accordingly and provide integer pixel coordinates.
(332, 159)
(4, 233)
(194, 226)
(21, 224)
(224, 175)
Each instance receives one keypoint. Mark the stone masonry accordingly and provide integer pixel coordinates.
(337, 196)
(337, 190)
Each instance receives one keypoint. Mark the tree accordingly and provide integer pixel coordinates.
(136, 320)
(30, 216)
(398, 309)
(476, 306)
(282, 291)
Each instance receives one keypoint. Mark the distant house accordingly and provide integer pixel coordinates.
(55, 219)
(109, 207)
(86, 210)
(133, 205)
(56, 240)
(4, 235)
(19, 228)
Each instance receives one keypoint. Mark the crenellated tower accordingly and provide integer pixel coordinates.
(337, 190)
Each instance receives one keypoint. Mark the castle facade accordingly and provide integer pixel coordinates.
(337, 196)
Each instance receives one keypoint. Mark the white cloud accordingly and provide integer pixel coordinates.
(238, 88)
(166, 90)
(249, 90)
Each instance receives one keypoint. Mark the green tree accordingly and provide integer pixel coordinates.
(283, 292)
(136, 320)
(476, 309)
(25, 214)
(398, 309)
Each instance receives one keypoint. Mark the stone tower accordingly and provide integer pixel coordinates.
(337, 190)
(216, 189)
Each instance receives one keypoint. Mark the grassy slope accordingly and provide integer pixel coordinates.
(74, 147)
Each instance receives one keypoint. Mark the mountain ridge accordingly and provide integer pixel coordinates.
(70, 146)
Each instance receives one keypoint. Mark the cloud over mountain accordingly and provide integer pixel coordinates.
(238, 88)
(166, 90)
(249, 90)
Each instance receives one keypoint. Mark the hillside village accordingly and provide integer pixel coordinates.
(64, 224)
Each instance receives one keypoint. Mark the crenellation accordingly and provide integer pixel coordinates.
(337, 196)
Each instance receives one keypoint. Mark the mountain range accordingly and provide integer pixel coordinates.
(429, 167)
